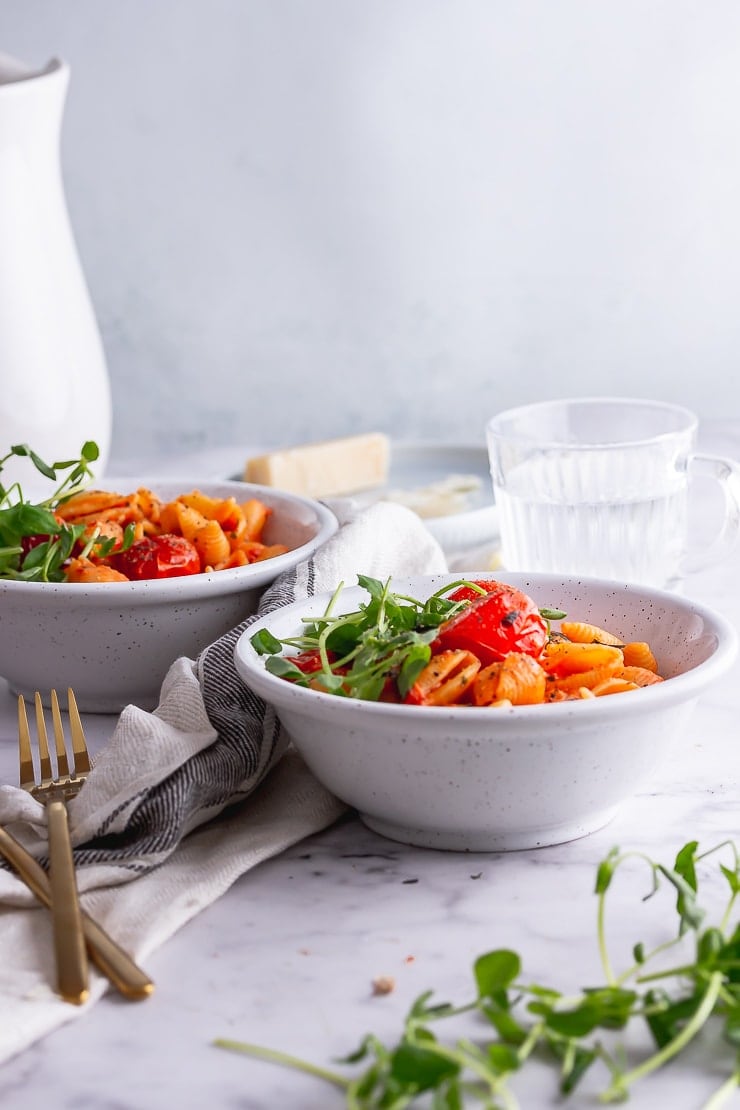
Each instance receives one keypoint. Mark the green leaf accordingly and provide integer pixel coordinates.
(576, 1064)
(421, 1010)
(733, 878)
(366, 1048)
(547, 994)
(496, 971)
(414, 663)
(507, 1027)
(685, 864)
(690, 913)
(281, 666)
(264, 643)
(421, 1068)
(25, 520)
(731, 1030)
(605, 871)
(709, 947)
(613, 1006)
(331, 683)
(666, 1017)
(367, 689)
(572, 1023)
(374, 586)
(605, 1007)
(451, 1098)
(729, 958)
(503, 1058)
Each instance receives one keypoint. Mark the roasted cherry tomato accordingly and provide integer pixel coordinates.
(308, 661)
(466, 593)
(165, 556)
(502, 620)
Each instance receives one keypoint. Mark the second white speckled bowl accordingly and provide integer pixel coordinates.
(482, 779)
(113, 642)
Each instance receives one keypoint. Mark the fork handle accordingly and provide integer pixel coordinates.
(69, 942)
(114, 962)
(107, 956)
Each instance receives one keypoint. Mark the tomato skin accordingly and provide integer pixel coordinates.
(490, 585)
(165, 556)
(308, 661)
(495, 623)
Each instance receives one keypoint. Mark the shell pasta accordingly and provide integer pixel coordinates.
(138, 535)
(478, 642)
(565, 669)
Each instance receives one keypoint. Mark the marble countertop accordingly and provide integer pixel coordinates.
(288, 956)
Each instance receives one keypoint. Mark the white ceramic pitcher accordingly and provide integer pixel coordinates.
(54, 388)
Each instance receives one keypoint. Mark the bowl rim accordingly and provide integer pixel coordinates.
(679, 688)
(193, 585)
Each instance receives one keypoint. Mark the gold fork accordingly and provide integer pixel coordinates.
(54, 791)
(108, 957)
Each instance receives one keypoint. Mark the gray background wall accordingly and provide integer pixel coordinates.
(303, 219)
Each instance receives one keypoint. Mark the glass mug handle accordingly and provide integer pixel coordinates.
(727, 474)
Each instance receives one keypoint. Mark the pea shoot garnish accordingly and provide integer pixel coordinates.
(354, 653)
(34, 543)
(519, 1021)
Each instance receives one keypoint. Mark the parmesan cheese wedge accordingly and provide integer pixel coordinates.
(328, 469)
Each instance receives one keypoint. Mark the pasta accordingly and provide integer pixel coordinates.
(483, 644)
(564, 671)
(577, 662)
(193, 533)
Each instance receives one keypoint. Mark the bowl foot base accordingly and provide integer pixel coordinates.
(508, 840)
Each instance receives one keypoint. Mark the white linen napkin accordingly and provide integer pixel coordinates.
(185, 799)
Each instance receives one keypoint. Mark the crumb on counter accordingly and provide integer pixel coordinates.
(383, 984)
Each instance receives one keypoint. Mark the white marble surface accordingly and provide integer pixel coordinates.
(287, 957)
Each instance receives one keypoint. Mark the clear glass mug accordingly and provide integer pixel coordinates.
(600, 486)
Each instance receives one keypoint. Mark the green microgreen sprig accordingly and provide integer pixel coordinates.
(391, 634)
(52, 542)
(526, 1020)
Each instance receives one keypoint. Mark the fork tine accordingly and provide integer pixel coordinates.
(44, 757)
(61, 747)
(79, 744)
(27, 773)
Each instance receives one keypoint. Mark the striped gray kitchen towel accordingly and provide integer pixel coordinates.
(185, 799)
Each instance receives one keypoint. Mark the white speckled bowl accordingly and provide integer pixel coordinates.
(113, 642)
(481, 779)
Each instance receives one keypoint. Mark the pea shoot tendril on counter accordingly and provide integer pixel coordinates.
(536, 1021)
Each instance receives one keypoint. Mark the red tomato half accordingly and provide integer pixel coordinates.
(166, 556)
(308, 661)
(502, 620)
